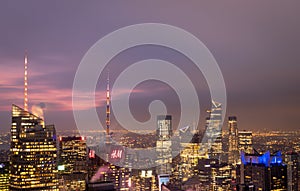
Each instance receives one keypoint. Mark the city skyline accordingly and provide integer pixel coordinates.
(255, 47)
(170, 95)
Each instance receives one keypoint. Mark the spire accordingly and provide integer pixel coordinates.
(25, 83)
(107, 105)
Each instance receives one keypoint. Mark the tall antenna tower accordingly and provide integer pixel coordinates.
(25, 83)
(107, 106)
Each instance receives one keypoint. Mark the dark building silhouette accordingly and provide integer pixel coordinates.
(4, 176)
(291, 159)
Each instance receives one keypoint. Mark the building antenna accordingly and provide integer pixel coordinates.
(107, 105)
(25, 82)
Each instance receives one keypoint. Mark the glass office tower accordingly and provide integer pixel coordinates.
(233, 155)
(214, 130)
(164, 144)
(33, 153)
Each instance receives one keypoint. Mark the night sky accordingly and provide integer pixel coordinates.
(256, 44)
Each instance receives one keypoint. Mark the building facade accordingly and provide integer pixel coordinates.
(72, 163)
(245, 141)
(263, 172)
(164, 144)
(33, 153)
(4, 176)
(291, 159)
(233, 149)
(214, 131)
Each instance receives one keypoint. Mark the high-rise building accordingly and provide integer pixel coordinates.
(205, 173)
(214, 130)
(221, 177)
(73, 154)
(164, 144)
(189, 157)
(263, 171)
(72, 163)
(143, 180)
(33, 153)
(213, 175)
(184, 165)
(4, 176)
(245, 141)
(233, 150)
(164, 127)
(291, 159)
(278, 174)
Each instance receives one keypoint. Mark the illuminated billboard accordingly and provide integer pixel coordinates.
(116, 154)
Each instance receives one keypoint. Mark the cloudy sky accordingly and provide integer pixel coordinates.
(256, 44)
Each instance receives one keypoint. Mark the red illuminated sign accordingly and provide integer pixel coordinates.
(116, 154)
(92, 154)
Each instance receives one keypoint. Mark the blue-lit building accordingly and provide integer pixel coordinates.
(262, 172)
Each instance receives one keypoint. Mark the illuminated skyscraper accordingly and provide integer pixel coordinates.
(189, 157)
(72, 163)
(245, 141)
(32, 153)
(263, 171)
(73, 153)
(4, 176)
(163, 144)
(233, 155)
(214, 130)
(164, 127)
(184, 166)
